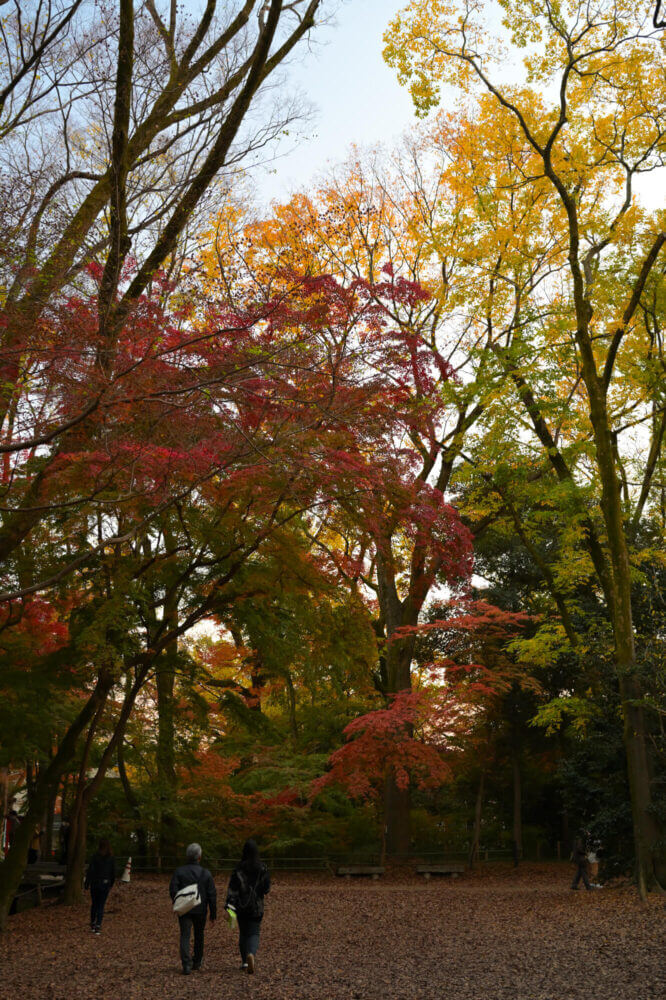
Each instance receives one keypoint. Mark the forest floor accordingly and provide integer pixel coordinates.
(491, 935)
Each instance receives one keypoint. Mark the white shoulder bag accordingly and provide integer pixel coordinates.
(186, 899)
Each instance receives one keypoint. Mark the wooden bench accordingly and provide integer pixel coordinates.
(298, 864)
(453, 869)
(46, 868)
(374, 871)
(43, 876)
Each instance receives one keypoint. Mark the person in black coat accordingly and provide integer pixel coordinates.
(13, 823)
(195, 919)
(579, 856)
(248, 885)
(64, 842)
(100, 877)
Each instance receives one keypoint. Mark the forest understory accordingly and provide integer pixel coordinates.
(492, 935)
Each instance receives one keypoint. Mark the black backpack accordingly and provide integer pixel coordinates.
(250, 901)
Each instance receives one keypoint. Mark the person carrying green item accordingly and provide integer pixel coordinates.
(249, 883)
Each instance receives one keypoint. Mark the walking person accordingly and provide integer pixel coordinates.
(64, 842)
(35, 845)
(192, 873)
(100, 877)
(579, 857)
(12, 825)
(593, 861)
(248, 885)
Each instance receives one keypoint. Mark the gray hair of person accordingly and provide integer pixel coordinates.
(193, 853)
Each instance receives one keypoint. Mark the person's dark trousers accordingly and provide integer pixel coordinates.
(187, 924)
(98, 896)
(581, 873)
(248, 937)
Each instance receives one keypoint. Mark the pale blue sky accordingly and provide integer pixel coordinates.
(356, 96)
(356, 99)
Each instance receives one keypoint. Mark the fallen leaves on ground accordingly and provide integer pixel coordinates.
(501, 936)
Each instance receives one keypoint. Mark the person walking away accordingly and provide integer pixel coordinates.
(192, 873)
(35, 845)
(64, 842)
(593, 848)
(100, 877)
(248, 885)
(13, 823)
(579, 856)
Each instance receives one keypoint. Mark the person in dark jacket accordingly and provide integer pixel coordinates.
(195, 919)
(13, 823)
(64, 842)
(35, 845)
(100, 877)
(248, 885)
(579, 856)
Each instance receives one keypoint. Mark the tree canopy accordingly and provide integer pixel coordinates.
(342, 520)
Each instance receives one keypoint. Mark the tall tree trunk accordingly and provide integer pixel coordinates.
(616, 579)
(76, 848)
(396, 813)
(650, 851)
(650, 854)
(133, 802)
(49, 821)
(566, 832)
(517, 810)
(79, 821)
(76, 854)
(397, 801)
(291, 701)
(63, 845)
(165, 676)
(476, 836)
(398, 663)
(4, 805)
(31, 777)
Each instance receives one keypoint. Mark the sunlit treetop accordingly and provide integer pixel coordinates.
(605, 59)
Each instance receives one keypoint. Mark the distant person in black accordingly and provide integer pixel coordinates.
(195, 920)
(100, 877)
(64, 842)
(35, 845)
(579, 857)
(13, 823)
(248, 885)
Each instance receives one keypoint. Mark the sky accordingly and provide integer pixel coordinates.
(356, 97)
(356, 100)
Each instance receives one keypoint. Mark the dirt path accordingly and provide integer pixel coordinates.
(325, 939)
